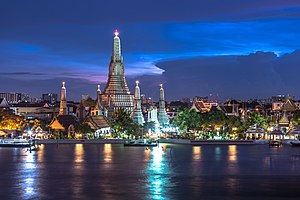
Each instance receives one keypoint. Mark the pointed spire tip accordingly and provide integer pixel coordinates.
(116, 32)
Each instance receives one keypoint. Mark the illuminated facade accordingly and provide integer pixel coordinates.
(162, 114)
(137, 114)
(63, 101)
(116, 93)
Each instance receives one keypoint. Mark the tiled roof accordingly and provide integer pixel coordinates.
(97, 122)
(56, 125)
(67, 120)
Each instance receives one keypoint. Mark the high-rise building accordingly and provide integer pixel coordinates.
(137, 114)
(49, 98)
(116, 93)
(63, 101)
(13, 97)
(162, 114)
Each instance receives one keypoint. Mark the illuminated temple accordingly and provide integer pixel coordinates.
(116, 93)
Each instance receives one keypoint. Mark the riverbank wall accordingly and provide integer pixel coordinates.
(162, 140)
(73, 141)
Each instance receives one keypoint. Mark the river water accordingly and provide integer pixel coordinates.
(112, 171)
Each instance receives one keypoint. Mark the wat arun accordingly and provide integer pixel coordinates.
(116, 93)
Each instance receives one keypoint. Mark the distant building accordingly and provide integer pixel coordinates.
(13, 97)
(202, 106)
(3, 103)
(34, 110)
(49, 98)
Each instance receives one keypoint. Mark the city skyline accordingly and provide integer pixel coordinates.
(235, 50)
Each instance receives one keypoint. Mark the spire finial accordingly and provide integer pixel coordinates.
(116, 32)
(98, 88)
(137, 83)
(63, 84)
(161, 86)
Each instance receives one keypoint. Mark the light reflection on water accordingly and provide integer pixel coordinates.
(196, 152)
(29, 175)
(159, 173)
(87, 171)
(218, 153)
(78, 170)
(107, 153)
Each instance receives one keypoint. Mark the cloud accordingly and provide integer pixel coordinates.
(257, 75)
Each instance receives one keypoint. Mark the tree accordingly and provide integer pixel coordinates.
(187, 120)
(296, 118)
(214, 118)
(255, 118)
(83, 129)
(122, 123)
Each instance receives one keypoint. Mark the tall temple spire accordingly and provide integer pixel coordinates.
(116, 55)
(116, 93)
(63, 101)
(98, 93)
(137, 114)
(162, 115)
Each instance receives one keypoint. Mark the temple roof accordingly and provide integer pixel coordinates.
(56, 125)
(289, 106)
(3, 103)
(255, 129)
(63, 122)
(284, 120)
(97, 122)
(276, 131)
(199, 106)
(67, 120)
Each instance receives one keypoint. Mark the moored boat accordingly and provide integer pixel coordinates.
(141, 143)
(295, 143)
(275, 143)
(15, 143)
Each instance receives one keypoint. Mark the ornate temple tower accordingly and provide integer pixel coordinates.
(99, 110)
(137, 114)
(162, 115)
(63, 101)
(116, 93)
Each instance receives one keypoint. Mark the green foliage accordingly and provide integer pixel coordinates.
(256, 118)
(187, 120)
(122, 123)
(215, 117)
(296, 118)
(9, 121)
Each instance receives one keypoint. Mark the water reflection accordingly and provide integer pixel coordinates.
(218, 153)
(158, 173)
(232, 166)
(107, 153)
(196, 152)
(232, 154)
(40, 154)
(28, 175)
(147, 154)
(78, 170)
(78, 157)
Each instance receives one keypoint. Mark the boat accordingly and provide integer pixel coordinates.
(295, 143)
(275, 143)
(15, 143)
(141, 143)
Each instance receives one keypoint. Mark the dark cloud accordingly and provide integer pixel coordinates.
(119, 12)
(45, 42)
(262, 74)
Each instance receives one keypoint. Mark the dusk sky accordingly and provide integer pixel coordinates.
(233, 49)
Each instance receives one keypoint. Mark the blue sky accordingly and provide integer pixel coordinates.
(43, 43)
